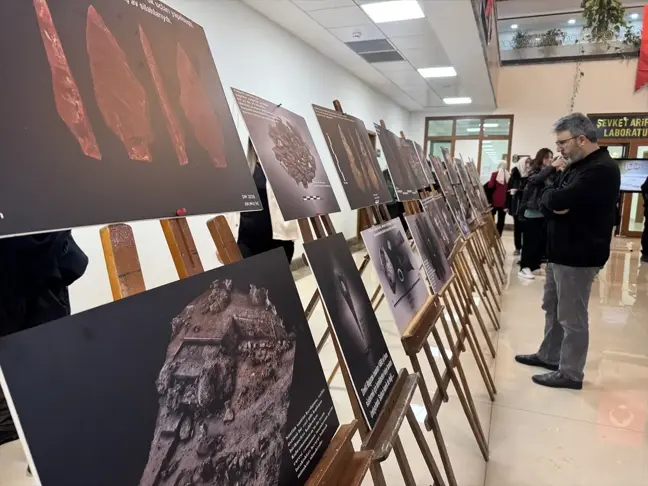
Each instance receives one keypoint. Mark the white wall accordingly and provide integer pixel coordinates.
(255, 55)
(538, 95)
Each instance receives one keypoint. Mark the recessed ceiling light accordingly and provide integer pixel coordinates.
(491, 125)
(634, 16)
(457, 101)
(438, 72)
(571, 21)
(472, 129)
(393, 11)
(514, 26)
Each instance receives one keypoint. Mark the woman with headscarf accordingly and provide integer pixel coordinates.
(498, 183)
(516, 185)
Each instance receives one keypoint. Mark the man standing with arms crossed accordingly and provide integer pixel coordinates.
(580, 210)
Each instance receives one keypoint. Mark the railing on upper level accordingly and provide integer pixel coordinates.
(562, 37)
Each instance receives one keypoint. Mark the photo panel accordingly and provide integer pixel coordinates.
(469, 189)
(458, 213)
(397, 267)
(213, 379)
(410, 154)
(400, 170)
(354, 322)
(289, 158)
(431, 247)
(354, 157)
(427, 168)
(450, 166)
(446, 229)
(113, 111)
(441, 175)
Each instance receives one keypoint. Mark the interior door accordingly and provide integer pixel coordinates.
(632, 211)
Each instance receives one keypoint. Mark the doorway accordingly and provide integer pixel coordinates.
(632, 203)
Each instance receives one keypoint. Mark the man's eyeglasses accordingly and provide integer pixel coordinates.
(561, 143)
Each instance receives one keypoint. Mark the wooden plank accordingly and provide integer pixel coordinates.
(226, 247)
(122, 260)
(182, 246)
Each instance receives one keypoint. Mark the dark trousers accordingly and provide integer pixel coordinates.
(517, 232)
(533, 245)
(644, 239)
(251, 248)
(501, 219)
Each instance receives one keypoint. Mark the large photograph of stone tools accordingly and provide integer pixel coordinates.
(469, 189)
(354, 322)
(112, 111)
(213, 379)
(289, 158)
(397, 267)
(449, 163)
(354, 157)
(411, 155)
(441, 175)
(458, 213)
(400, 170)
(425, 162)
(431, 248)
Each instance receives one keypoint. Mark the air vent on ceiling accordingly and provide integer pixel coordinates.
(374, 51)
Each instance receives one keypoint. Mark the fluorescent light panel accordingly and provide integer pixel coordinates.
(491, 125)
(634, 16)
(472, 129)
(393, 11)
(571, 21)
(457, 101)
(438, 72)
(514, 26)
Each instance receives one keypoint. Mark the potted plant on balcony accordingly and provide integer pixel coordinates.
(604, 20)
(552, 38)
(521, 40)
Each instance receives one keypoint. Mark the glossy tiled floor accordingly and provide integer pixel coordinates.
(537, 436)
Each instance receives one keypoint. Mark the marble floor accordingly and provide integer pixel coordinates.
(537, 436)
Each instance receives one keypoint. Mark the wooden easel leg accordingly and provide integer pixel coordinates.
(477, 352)
(478, 251)
(333, 373)
(425, 449)
(453, 321)
(443, 452)
(375, 294)
(425, 393)
(470, 303)
(401, 457)
(487, 295)
(323, 340)
(486, 298)
(377, 475)
(435, 372)
(466, 400)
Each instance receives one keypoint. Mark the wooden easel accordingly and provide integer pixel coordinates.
(341, 465)
(383, 438)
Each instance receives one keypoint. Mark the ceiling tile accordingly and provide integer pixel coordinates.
(422, 58)
(390, 67)
(363, 32)
(406, 77)
(307, 5)
(340, 17)
(406, 28)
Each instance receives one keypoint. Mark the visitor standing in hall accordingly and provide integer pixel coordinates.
(498, 184)
(580, 209)
(541, 175)
(515, 189)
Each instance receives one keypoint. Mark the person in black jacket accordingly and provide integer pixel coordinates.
(535, 239)
(580, 209)
(644, 235)
(514, 191)
(35, 272)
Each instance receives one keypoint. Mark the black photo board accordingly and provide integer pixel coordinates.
(441, 175)
(450, 166)
(411, 156)
(398, 270)
(213, 379)
(289, 158)
(400, 170)
(469, 189)
(431, 247)
(427, 168)
(354, 322)
(436, 209)
(354, 158)
(112, 111)
(458, 213)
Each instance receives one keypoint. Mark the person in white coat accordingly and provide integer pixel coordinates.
(260, 231)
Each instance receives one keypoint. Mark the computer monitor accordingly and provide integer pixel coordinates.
(633, 174)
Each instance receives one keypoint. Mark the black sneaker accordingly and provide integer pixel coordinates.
(534, 360)
(644, 258)
(556, 379)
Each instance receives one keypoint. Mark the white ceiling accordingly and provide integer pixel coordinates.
(447, 36)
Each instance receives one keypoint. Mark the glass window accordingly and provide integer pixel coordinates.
(436, 146)
(493, 152)
(468, 149)
(497, 126)
(440, 128)
(468, 127)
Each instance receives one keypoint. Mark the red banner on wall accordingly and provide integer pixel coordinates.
(642, 65)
